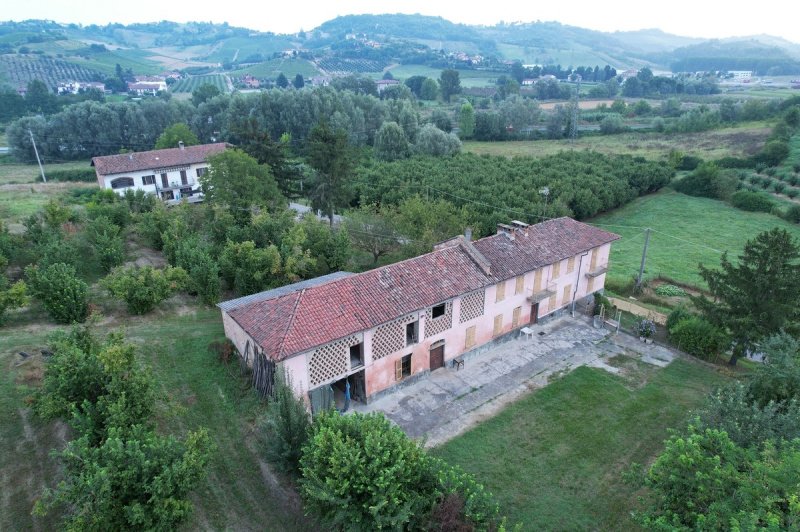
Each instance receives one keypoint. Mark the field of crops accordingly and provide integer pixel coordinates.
(270, 69)
(20, 69)
(343, 66)
(190, 84)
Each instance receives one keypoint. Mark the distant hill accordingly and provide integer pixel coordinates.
(747, 54)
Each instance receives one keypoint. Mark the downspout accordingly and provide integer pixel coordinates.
(577, 282)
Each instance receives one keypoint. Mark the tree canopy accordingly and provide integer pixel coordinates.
(174, 134)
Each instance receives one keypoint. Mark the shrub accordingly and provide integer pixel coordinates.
(106, 241)
(792, 192)
(601, 300)
(670, 290)
(286, 425)
(707, 181)
(752, 201)
(793, 213)
(773, 152)
(612, 123)
(144, 288)
(195, 257)
(779, 187)
(689, 162)
(771, 171)
(676, 316)
(84, 175)
(63, 295)
(698, 337)
(734, 162)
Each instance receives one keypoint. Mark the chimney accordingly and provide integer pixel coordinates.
(180, 144)
(505, 229)
(468, 234)
(130, 156)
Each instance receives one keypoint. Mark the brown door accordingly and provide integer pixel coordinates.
(534, 313)
(184, 179)
(437, 357)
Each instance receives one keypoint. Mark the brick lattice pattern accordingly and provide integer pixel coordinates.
(440, 324)
(390, 337)
(472, 306)
(330, 360)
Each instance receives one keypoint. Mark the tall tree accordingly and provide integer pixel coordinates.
(174, 134)
(203, 93)
(331, 156)
(281, 81)
(299, 82)
(449, 83)
(391, 142)
(758, 296)
(466, 121)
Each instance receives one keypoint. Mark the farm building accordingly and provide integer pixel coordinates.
(379, 329)
(171, 174)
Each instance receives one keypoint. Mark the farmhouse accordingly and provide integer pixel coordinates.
(171, 174)
(383, 328)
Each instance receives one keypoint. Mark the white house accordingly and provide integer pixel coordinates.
(171, 174)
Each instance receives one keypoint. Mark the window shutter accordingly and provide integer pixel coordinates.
(498, 324)
(537, 281)
(398, 369)
(520, 284)
(556, 270)
(501, 292)
(590, 285)
(566, 296)
(515, 317)
(470, 341)
(571, 265)
(593, 264)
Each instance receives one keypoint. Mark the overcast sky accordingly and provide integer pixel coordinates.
(692, 18)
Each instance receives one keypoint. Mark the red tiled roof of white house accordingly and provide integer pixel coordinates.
(293, 323)
(148, 160)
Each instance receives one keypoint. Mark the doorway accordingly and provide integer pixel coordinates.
(534, 314)
(437, 356)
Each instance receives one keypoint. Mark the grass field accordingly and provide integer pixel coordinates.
(240, 493)
(555, 458)
(743, 140)
(271, 69)
(191, 83)
(687, 231)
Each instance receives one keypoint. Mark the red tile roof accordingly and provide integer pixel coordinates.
(297, 322)
(156, 159)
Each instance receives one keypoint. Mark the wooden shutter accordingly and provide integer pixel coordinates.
(398, 369)
(520, 284)
(537, 281)
(470, 340)
(593, 264)
(590, 285)
(556, 270)
(551, 303)
(498, 324)
(164, 180)
(566, 295)
(571, 265)
(501, 292)
(515, 317)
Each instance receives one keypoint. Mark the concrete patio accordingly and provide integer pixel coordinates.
(448, 401)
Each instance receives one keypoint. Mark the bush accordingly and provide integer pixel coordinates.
(63, 295)
(734, 162)
(106, 241)
(645, 328)
(792, 192)
(698, 337)
(144, 288)
(793, 213)
(670, 290)
(752, 201)
(612, 123)
(707, 181)
(676, 316)
(601, 301)
(779, 187)
(689, 163)
(286, 425)
(82, 175)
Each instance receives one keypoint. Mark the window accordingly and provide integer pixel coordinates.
(164, 180)
(438, 311)
(201, 171)
(593, 263)
(470, 339)
(590, 285)
(402, 368)
(566, 295)
(571, 265)
(184, 179)
(537, 281)
(498, 325)
(556, 269)
(520, 284)
(501, 292)
(148, 180)
(122, 182)
(357, 355)
(551, 303)
(412, 332)
(515, 317)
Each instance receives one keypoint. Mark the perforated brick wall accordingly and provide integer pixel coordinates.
(330, 360)
(390, 337)
(472, 305)
(442, 323)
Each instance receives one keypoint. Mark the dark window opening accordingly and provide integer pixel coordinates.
(438, 310)
(122, 182)
(148, 180)
(186, 191)
(164, 180)
(412, 332)
(184, 179)
(406, 365)
(201, 172)
(357, 355)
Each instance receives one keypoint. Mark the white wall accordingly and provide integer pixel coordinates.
(174, 177)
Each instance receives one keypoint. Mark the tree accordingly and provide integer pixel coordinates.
(429, 90)
(248, 269)
(442, 120)
(237, 181)
(517, 72)
(11, 296)
(298, 82)
(108, 245)
(612, 123)
(415, 84)
(203, 93)
(449, 83)
(39, 99)
(466, 121)
(758, 296)
(433, 141)
(174, 134)
(194, 256)
(64, 296)
(372, 231)
(144, 288)
(331, 157)
(391, 143)
(281, 81)
(286, 425)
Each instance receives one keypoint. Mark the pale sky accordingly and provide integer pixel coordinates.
(691, 18)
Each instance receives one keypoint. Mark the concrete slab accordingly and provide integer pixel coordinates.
(448, 401)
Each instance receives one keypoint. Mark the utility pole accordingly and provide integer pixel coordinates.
(644, 257)
(41, 168)
(573, 127)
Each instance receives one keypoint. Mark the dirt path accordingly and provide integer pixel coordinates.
(640, 311)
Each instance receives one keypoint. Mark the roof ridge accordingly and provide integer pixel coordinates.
(291, 322)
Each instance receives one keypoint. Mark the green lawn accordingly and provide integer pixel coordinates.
(555, 458)
(743, 140)
(195, 390)
(687, 231)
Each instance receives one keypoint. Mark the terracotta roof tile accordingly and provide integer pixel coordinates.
(156, 159)
(314, 316)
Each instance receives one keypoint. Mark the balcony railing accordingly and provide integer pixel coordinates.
(535, 296)
(597, 270)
